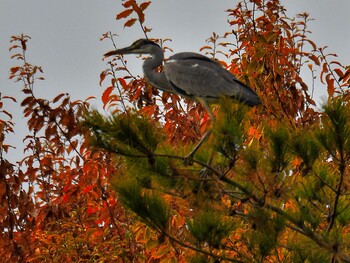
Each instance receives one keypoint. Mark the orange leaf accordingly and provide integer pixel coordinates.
(254, 133)
(330, 85)
(325, 68)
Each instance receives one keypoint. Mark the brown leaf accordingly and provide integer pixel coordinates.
(23, 44)
(26, 101)
(58, 97)
(13, 47)
(7, 113)
(9, 97)
(103, 75)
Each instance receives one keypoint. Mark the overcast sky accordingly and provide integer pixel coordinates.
(65, 37)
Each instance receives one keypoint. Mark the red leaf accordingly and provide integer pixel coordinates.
(91, 210)
(144, 6)
(123, 83)
(14, 70)
(106, 94)
(128, 3)
(87, 188)
(65, 198)
(130, 22)
(124, 14)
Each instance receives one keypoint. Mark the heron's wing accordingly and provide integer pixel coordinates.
(197, 76)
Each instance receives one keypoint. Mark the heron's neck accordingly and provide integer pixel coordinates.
(154, 61)
(158, 80)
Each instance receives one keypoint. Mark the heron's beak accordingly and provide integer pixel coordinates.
(127, 50)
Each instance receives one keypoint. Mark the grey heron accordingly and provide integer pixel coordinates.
(190, 75)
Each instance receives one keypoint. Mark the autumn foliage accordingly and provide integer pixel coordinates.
(113, 187)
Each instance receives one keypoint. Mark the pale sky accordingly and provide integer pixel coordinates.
(65, 38)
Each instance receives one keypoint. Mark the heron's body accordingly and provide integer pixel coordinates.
(197, 76)
(190, 75)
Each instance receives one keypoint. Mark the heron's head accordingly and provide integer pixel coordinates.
(141, 46)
